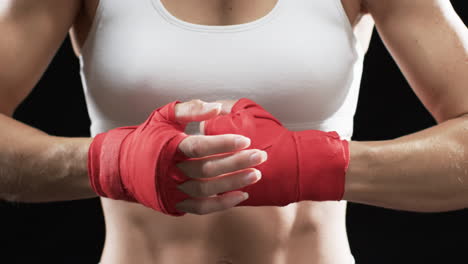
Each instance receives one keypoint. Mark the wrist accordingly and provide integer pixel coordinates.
(57, 170)
(323, 160)
(72, 154)
(361, 170)
(104, 164)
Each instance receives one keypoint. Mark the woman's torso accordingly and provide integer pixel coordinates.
(129, 71)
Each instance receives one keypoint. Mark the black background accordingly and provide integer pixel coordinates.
(73, 232)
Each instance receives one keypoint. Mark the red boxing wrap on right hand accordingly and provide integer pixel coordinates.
(306, 165)
(137, 164)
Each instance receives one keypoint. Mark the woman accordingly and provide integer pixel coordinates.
(294, 40)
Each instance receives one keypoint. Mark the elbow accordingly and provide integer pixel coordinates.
(19, 196)
(7, 111)
(8, 107)
(442, 202)
(21, 189)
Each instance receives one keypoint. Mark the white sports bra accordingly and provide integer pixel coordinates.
(301, 61)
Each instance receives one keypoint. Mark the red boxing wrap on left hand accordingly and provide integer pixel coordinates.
(138, 164)
(306, 165)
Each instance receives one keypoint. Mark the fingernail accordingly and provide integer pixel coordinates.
(251, 177)
(246, 196)
(242, 142)
(211, 106)
(258, 157)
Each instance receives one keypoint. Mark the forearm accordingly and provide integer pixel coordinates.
(36, 167)
(426, 171)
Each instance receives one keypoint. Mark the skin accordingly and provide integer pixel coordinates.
(425, 171)
(37, 167)
(136, 234)
(389, 173)
(295, 234)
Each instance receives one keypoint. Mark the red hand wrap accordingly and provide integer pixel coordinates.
(137, 163)
(306, 165)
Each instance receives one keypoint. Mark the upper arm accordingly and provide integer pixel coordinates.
(32, 31)
(429, 42)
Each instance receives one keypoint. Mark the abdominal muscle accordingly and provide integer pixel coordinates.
(307, 232)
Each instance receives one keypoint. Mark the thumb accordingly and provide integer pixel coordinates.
(226, 106)
(196, 111)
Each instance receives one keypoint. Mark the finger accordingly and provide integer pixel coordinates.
(226, 183)
(202, 146)
(196, 110)
(226, 106)
(219, 165)
(212, 204)
(202, 128)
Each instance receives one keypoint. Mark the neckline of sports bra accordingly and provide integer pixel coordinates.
(159, 6)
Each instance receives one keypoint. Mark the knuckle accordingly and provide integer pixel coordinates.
(202, 189)
(188, 188)
(184, 146)
(241, 161)
(190, 106)
(208, 168)
(194, 147)
(196, 104)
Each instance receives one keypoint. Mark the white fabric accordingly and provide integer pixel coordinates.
(301, 62)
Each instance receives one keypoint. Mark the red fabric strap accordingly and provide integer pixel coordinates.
(138, 164)
(306, 165)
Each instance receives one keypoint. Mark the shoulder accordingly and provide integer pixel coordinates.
(26, 6)
(391, 6)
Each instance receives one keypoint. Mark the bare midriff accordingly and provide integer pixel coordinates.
(306, 232)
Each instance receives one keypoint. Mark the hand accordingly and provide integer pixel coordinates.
(138, 163)
(226, 108)
(212, 170)
(305, 165)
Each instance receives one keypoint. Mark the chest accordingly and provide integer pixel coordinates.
(142, 55)
(203, 12)
(219, 12)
